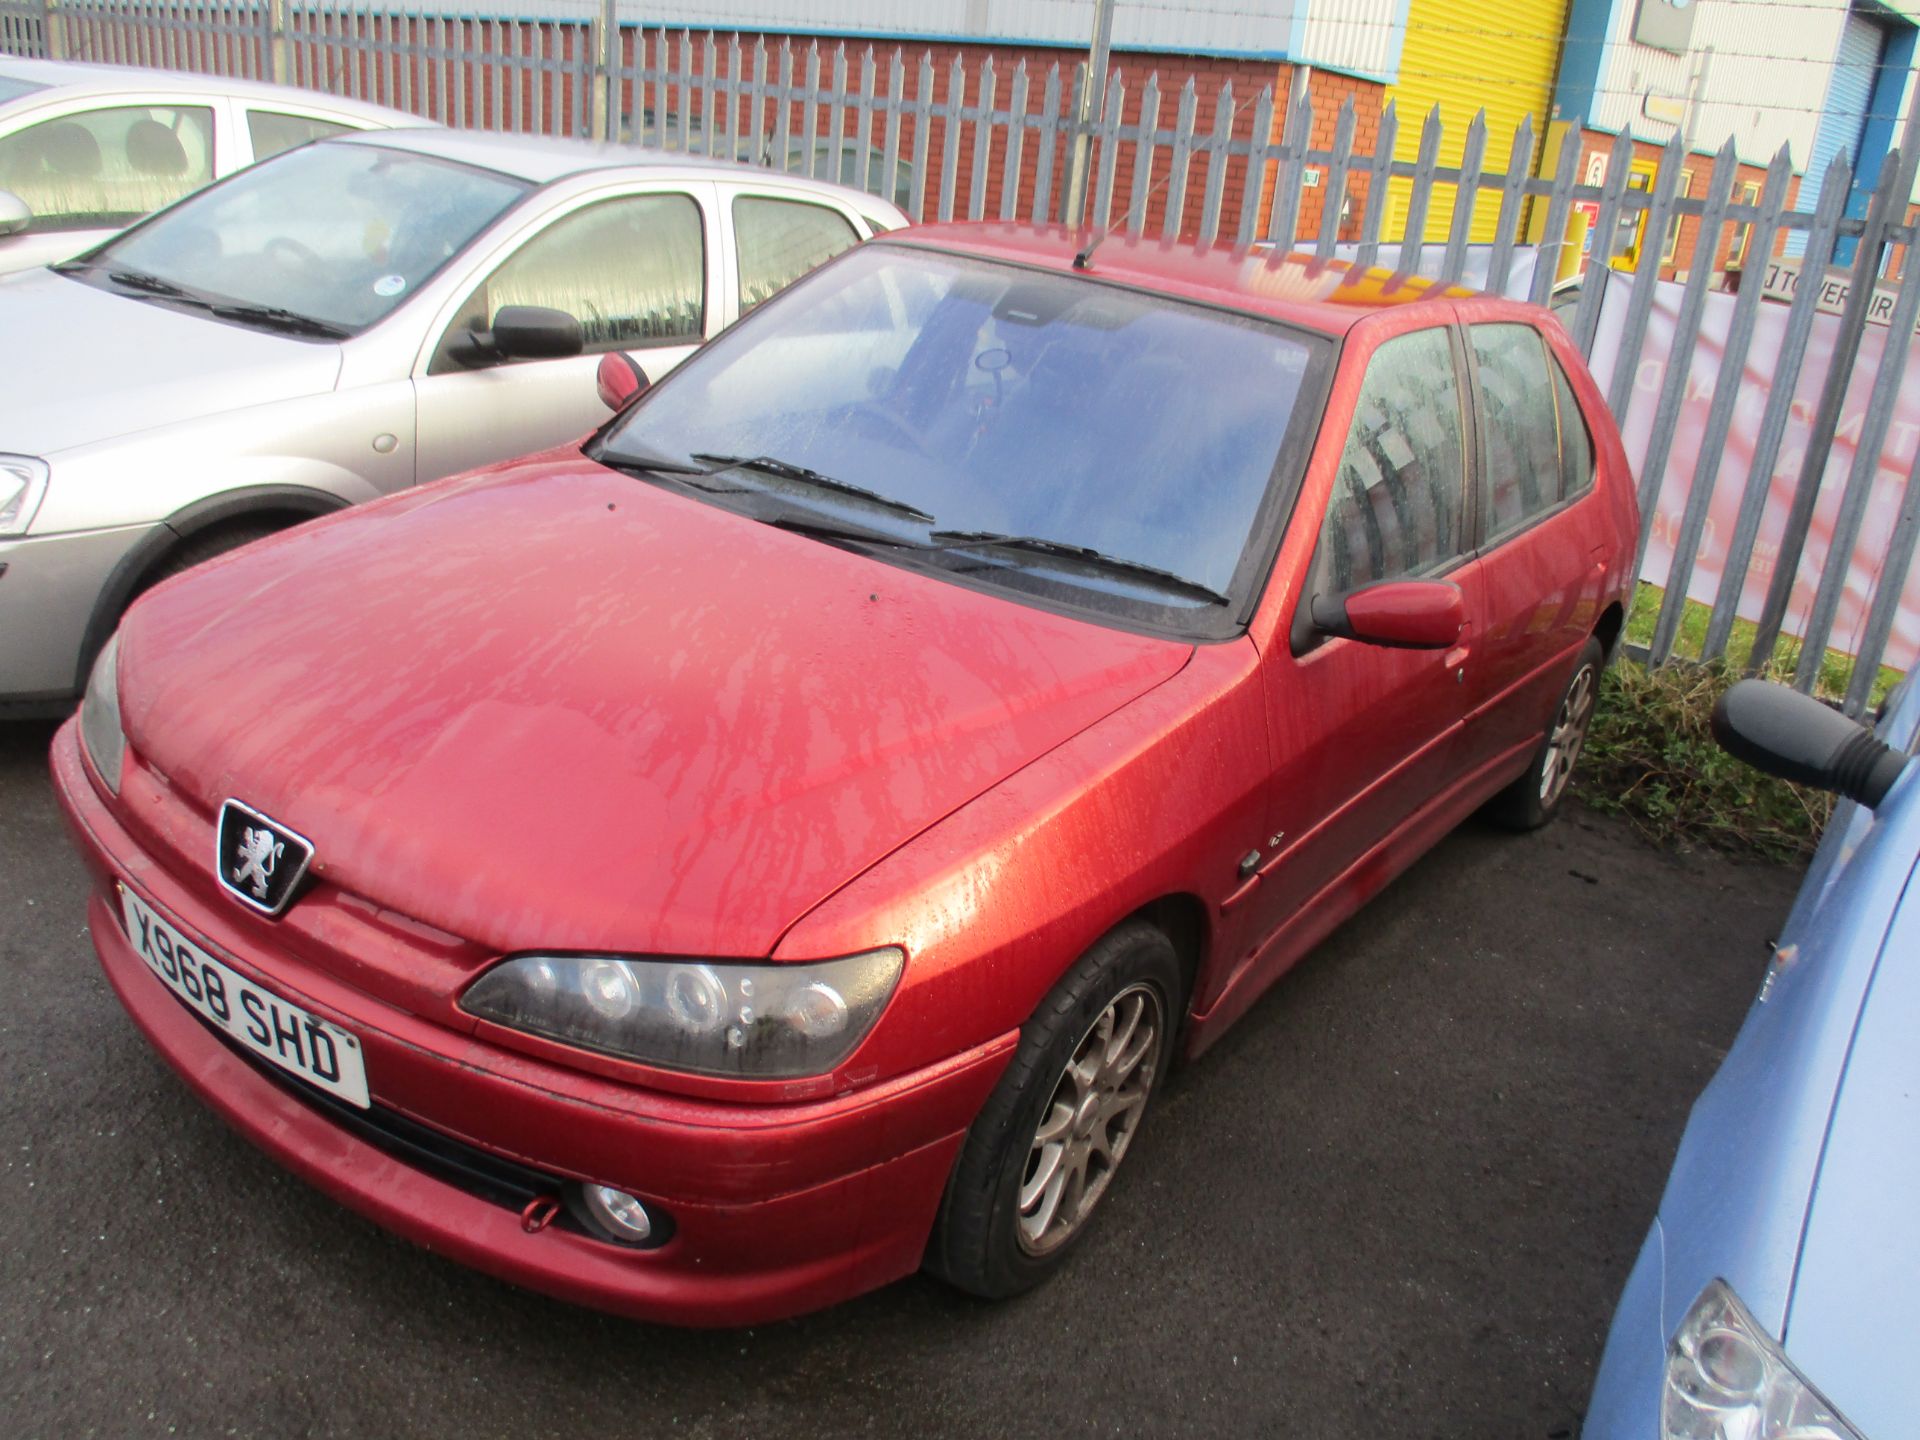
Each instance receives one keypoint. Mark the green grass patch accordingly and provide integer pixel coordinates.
(1651, 757)
(1689, 643)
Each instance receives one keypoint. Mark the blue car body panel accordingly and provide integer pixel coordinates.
(1803, 1120)
(1851, 1319)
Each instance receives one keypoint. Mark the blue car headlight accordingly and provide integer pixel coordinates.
(1727, 1379)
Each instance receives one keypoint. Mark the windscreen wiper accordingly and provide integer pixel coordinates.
(1079, 554)
(786, 470)
(646, 460)
(149, 284)
(268, 316)
(272, 317)
(823, 529)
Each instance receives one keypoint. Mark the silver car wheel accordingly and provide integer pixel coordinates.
(1090, 1120)
(1568, 736)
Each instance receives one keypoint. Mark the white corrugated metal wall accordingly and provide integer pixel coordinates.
(1251, 27)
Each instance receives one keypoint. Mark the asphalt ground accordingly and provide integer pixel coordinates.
(1399, 1199)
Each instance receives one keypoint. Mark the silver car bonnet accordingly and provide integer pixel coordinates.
(79, 364)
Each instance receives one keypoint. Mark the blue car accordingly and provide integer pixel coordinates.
(1775, 1297)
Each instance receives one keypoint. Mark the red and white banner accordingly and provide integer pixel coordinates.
(1889, 484)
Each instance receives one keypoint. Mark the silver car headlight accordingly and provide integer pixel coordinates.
(754, 1021)
(1727, 1379)
(23, 483)
(100, 728)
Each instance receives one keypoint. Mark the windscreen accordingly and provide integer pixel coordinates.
(338, 233)
(1007, 401)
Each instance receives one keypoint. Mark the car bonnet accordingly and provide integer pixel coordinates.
(80, 365)
(557, 707)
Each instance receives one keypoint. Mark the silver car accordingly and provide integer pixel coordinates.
(339, 322)
(86, 150)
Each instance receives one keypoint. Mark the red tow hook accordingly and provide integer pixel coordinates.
(541, 1212)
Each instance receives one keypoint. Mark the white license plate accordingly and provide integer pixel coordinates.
(283, 1034)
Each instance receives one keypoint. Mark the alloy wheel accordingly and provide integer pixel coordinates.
(1568, 736)
(1090, 1119)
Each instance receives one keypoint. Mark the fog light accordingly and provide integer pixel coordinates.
(617, 1213)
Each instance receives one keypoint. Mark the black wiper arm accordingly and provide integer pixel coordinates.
(149, 284)
(1084, 554)
(786, 470)
(272, 317)
(822, 529)
(647, 460)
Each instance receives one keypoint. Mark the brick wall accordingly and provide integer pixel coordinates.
(1210, 76)
(1686, 250)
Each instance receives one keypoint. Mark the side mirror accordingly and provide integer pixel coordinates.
(534, 332)
(1399, 614)
(15, 215)
(521, 332)
(619, 381)
(1794, 736)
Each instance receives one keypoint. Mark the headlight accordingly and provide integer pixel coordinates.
(1728, 1380)
(23, 481)
(100, 728)
(757, 1021)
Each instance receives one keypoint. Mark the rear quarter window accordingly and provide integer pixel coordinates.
(271, 131)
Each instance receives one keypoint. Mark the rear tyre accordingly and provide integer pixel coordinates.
(1536, 797)
(1049, 1141)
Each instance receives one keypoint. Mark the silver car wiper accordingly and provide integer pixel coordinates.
(1080, 554)
(787, 470)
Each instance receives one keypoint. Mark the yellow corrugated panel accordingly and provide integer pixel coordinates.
(1466, 55)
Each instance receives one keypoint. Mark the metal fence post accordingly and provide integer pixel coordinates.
(1895, 189)
(1826, 419)
(604, 117)
(279, 48)
(52, 32)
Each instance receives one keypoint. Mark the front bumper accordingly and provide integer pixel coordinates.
(49, 588)
(778, 1209)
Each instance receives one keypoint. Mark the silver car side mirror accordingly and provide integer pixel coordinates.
(15, 215)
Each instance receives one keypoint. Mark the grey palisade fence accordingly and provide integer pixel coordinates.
(977, 142)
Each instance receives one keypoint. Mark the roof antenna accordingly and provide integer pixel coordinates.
(1084, 259)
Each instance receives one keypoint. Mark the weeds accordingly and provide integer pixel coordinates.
(1689, 642)
(1651, 757)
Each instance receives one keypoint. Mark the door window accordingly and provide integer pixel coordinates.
(781, 240)
(1525, 470)
(632, 271)
(273, 132)
(1398, 504)
(106, 168)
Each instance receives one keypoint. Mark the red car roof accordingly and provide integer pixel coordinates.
(1329, 296)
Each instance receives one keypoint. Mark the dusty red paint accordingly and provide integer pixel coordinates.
(546, 706)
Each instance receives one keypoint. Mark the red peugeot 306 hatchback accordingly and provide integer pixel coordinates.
(782, 843)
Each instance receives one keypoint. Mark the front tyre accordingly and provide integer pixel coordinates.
(1049, 1141)
(1535, 798)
